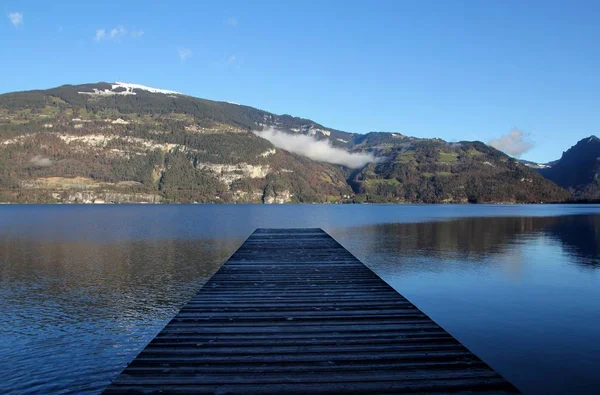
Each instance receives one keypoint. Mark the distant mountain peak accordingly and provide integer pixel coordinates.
(578, 168)
(126, 88)
(592, 139)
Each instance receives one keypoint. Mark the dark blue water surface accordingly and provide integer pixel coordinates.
(84, 288)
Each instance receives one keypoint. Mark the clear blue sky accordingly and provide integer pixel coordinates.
(458, 70)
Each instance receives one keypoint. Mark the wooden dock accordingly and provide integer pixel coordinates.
(292, 311)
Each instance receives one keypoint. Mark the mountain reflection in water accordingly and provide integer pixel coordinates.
(474, 238)
(82, 290)
(523, 293)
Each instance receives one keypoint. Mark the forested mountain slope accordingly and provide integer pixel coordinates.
(115, 142)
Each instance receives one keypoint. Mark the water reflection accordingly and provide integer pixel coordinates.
(580, 235)
(522, 293)
(476, 238)
(83, 289)
(73, 313)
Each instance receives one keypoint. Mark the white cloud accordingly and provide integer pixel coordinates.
(117, 33)
(231, 21)
(514, 143)
(100, 35)
(319, 150)
(40, 161)
(184, 53)
(16, 18)
(231, 59)
(137, 33)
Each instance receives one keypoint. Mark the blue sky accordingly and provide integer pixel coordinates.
(458, 70)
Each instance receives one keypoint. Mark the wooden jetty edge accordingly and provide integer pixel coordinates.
(292, 311)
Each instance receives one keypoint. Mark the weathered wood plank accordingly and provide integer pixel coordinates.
(280, 368)
(293, 311)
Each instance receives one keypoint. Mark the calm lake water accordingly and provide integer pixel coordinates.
(84, 288)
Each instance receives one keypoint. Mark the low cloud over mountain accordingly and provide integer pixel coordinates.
(320, 150)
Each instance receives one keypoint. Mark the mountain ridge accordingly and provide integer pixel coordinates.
(123, 142)
(578, 169)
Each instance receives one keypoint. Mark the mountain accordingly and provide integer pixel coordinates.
(435, 171)
(578, 169)
(121, 142)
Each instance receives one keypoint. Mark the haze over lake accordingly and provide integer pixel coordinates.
(84, 288)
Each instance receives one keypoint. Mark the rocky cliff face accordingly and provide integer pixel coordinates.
(106, 197)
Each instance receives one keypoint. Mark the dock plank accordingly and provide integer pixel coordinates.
(292, 311)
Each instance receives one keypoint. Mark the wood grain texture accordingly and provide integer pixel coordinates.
(292, 311)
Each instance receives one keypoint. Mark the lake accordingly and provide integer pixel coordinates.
(84, 288)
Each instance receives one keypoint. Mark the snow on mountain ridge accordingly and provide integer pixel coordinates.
(128, 90)
(131, 87)
(534, 165)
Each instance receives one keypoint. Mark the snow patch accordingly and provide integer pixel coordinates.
(129, 90)
(131, 87)
(537, 165)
